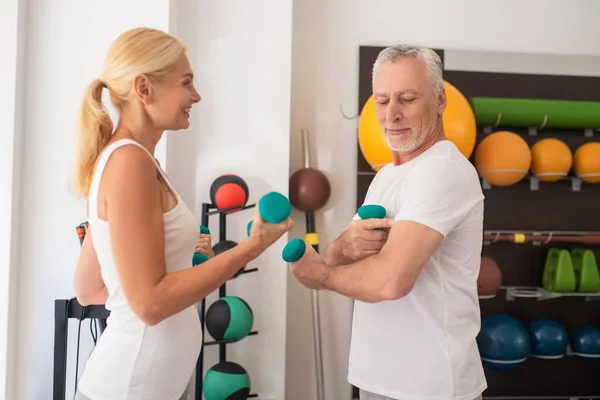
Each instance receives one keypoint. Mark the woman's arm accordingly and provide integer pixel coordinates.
(134, 210)
(88, 284)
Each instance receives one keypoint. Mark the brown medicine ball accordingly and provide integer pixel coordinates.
(490, 277)
(309, 189)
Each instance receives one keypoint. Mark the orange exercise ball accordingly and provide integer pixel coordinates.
(371, 140)
(551, 160)
(490, 277)
(503, 158)
(459, 126)
(459, 120)
(586, 163)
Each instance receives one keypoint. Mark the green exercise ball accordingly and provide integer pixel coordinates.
(226, 381)
(229, 318)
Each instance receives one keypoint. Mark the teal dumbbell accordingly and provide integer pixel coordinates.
(274, 208)
(294, 250)
(369, 211)
(199, 258)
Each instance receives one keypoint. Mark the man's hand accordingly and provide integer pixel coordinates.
(310, 270)
(364, 237)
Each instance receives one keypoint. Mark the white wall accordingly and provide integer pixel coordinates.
(66, 43)
(12, 34)
(241, 54)
(244, 71)
(325, 74)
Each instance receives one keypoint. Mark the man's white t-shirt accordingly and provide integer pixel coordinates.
(423, 346)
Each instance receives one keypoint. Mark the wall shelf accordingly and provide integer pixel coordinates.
(539, 238)
(535, 183)
(539, 293)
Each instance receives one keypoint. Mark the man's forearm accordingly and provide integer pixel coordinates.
(366, 280)
(334, 254)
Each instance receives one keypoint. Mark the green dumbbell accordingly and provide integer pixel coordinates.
(274, 208)
(294, 250)
(369, 211)
(199, 258)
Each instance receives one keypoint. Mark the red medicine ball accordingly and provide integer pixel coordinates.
(229, 191)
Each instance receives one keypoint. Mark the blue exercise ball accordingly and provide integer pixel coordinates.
(503, 342)
(585, 342)
(548, 338)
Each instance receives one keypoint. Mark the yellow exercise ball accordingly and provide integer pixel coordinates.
(459, 120)
(459, 126)
(503, 158)
(586, 162)
(551, 160)
(371, 140)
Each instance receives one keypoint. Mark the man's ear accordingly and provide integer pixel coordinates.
(143, 89)
(442, 100)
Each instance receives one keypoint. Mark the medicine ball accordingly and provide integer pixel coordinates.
(309, 189)
(229, 191)
(225, 245)
(548, 338)
(585, 342)
(229, 318)
(503, 158)
(586, 162)
(226, 381)
(490, 277)
(551, 159)
(503, 342)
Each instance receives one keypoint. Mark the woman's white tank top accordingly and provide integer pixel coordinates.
(133, 361)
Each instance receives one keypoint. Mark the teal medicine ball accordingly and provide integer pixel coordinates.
(226, 381)
(229, 318)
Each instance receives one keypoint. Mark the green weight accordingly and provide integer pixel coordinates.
(586, 270)
(293, 250)
(559, 275)
(369, 211)
(226, 381)
(241, 318)
(274, 207)
(199, 258)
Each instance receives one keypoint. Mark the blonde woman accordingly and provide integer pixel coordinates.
(136, 258)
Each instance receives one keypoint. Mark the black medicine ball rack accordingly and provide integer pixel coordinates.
(208, 210)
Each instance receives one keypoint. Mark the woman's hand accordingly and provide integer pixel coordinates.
(88, 284)
(263, 234)
(203, 246)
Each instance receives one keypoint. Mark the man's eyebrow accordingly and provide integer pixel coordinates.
(399, 93)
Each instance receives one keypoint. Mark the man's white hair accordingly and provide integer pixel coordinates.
(432, 61)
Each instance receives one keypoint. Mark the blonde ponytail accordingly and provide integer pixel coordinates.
(137, 51)
(94, 131)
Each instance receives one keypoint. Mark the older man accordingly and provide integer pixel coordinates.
(416, 314)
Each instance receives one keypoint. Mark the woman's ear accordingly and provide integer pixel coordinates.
(142, 87)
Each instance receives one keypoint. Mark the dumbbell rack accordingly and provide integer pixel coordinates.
(208, 210)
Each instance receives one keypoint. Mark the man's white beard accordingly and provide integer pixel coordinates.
(403, 148)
